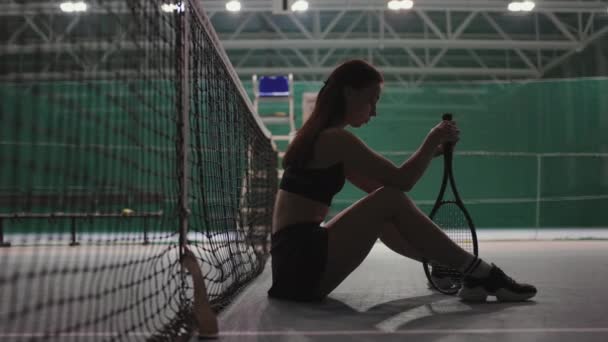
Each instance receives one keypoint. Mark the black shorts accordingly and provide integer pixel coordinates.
(299, 255)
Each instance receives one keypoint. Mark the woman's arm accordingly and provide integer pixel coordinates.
(415, 166)
(361, 160)
(366, 184)
(370, 185)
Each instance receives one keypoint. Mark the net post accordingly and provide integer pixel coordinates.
(184, 129)
(73, 241)
(538, 194)
(205, 319)
(146, 241)
(2, 242)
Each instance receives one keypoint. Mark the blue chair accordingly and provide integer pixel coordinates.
(274, 86)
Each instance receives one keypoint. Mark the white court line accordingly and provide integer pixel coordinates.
(72, 334)
(336, 332)
(412, 332)
(442, 307)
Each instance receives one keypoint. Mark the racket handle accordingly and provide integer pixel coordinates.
(448, 147)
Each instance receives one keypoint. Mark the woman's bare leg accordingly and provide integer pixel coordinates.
(353, 232)
(391, 237)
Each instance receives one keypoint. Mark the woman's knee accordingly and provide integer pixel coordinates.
(392, 196)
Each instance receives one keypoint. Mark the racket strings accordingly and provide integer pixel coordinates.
(452, 220)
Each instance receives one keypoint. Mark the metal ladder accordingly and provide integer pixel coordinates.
(277, 89)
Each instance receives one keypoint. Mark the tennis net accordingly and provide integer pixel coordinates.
(125, 137)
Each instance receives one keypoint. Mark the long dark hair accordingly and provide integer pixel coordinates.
(330, 107)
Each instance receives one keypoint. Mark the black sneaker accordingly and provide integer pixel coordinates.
(498, 284)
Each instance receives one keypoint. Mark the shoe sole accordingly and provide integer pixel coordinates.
(479, 294)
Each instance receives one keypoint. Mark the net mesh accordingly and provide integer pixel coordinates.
(92, 133)
(234, 175)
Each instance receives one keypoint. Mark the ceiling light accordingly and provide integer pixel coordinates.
(527, 6)
(396, 5)
(518, 6)
(407, 4)
(233, 6)
(299, 6)
(70, 6)
(172, 7)
(515, 6)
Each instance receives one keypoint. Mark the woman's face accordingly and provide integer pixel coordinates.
(361, 104)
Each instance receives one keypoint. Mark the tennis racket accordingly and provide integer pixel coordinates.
(453, 218)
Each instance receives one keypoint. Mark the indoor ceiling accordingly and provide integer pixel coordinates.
(435, 40)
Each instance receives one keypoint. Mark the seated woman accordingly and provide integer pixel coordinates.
(308, 260)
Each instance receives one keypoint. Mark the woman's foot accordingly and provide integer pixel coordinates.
(498, 284)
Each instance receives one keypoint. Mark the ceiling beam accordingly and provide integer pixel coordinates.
(558, 61)
(394, 71)
(482, 44)
(561, 26)
(291, 44)
(505, 36)
(546, 6)
(353, 24)
(214, 6)
(264, 44)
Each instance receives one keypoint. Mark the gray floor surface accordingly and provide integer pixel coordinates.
(387, 299)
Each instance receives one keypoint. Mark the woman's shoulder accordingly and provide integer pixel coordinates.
(326, 150)
(337, 137)
(335, 134)
(333, 144)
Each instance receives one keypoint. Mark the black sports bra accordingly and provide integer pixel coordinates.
(319, 184)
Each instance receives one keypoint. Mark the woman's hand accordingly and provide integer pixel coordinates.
(445, 132)
(439, 150)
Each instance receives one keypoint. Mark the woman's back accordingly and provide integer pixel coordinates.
(306, 191)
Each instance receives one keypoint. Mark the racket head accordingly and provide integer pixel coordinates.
(454, 220)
